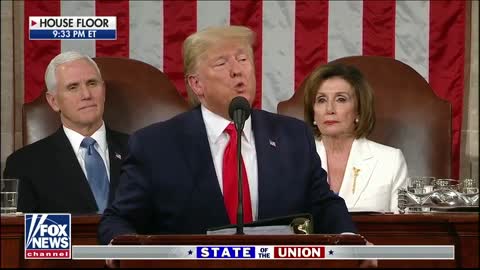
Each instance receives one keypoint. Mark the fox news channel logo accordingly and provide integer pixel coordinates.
(48, 236)
(68, 27)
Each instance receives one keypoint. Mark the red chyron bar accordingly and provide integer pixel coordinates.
(300, 252)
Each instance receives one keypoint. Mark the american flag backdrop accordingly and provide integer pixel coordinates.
(292, 38)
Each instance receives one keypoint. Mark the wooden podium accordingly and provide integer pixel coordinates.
(243, 240)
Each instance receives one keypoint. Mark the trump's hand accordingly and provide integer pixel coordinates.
(369, 263)
(112, 263)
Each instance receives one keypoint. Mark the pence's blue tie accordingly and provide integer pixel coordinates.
(96, 173)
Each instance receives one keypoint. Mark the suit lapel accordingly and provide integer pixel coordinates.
(70, 169)
(199, 159)
(115, 155)
(321, 152)
(266, 145)
(360, 166)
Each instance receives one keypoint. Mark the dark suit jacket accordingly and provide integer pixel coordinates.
(51, 179)
(168, 183)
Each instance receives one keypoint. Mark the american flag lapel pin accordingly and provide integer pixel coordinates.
(117, 155)
(272, 143)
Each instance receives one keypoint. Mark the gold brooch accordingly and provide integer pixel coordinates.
(356, 172)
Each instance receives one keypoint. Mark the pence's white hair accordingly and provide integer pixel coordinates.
(51, 79)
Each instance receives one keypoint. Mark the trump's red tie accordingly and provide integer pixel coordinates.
(230, 181)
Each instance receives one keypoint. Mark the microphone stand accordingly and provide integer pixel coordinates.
(239, 129)
(240, 185)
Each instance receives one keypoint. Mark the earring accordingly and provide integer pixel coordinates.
(314, 123)
(356, 121)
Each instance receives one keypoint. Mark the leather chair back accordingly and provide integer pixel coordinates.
(409, 115)
(137, 94)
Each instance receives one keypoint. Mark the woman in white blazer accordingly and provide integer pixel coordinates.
(339, 107)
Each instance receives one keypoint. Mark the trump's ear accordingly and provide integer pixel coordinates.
(195, 85)
(52, 101)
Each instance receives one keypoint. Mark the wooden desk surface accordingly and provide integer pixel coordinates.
(460, 230)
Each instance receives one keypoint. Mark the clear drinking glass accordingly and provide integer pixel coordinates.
(9, 192)
(469, 186)
(416, 184)
(446, 183)
(428, 183)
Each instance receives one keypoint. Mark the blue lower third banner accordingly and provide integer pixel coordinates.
(287, 252)
(49, 34)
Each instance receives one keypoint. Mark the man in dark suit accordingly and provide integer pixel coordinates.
(76, 169)
(174, 179)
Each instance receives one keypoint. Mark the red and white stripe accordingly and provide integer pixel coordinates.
(292, 38)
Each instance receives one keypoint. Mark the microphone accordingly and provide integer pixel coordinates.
(239, 111)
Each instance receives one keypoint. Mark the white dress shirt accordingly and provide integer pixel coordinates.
(101, 146)
(218, 140)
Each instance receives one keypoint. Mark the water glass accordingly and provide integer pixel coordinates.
(428, 183)
(9, 192)
(446, 183)
(469, 186)
(416, 184)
